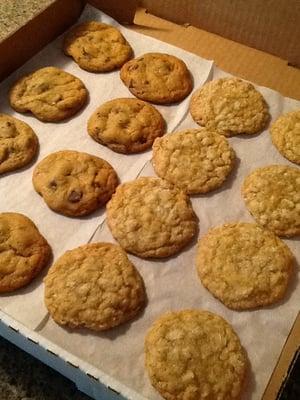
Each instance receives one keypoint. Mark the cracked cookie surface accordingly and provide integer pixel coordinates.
(94, 286)
(230, 106)
(195, 355)
(126, 125)
(150, 217)
(97, 47)
(272, 196)
(18, 143)
(157, 77)
(244, 265)
(74, 183)
(24, 252)
(195, 160)
(285, 134)
(49, 93)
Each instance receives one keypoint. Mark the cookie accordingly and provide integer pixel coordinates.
(74, 183)
(97, 47)
(49, 93)
(272, 195)
(244, 265)
(285, 134)
(230, 106)
(126, 125)
(195, 160)
(195, 355)
(24, 252)
(149, 217)
(94, 286)
(18, 143)
(158, 78)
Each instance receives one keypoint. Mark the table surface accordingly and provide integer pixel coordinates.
(23, 377)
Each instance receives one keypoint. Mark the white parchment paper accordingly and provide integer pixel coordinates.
(172, 283)
(16, 190)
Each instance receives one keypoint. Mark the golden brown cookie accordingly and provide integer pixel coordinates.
(157, 77)
(18, 143)
(230, 106)
(272, 195)
(49, 93)
(74, 183)
(149, 217)
(285, 134)
(126, 125)
(195, 160)
(244, 265)
(94, 286)
(195, 355)
(97, 47)
(23, 251)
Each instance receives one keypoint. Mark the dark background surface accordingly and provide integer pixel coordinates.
(290, 389)
(22, 377)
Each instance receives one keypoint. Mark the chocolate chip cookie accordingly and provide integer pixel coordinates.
(157, 77)
(74, 183)
(97, 47)
(24, 252)
(126, 125)
(49, 93)
(18, 143)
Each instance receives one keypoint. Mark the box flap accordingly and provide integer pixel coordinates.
(117, 10)
(269, 25)
(235, 58)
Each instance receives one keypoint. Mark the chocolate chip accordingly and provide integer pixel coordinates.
(131, 83)
(53, 185)
(132, 67)
(75, 196)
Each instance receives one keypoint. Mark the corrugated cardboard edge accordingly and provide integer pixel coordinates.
(33, 36)
(270, 25)
(284, 361)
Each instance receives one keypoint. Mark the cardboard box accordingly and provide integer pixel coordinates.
(233, 57)
(35, 31)
(272, 25)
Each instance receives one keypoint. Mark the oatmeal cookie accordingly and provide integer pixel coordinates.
(150, 217)
(230, 106)
(195, 355)
(94, 286)
(244, 265)
(195, 160)
(285, 134)
(272, 195)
